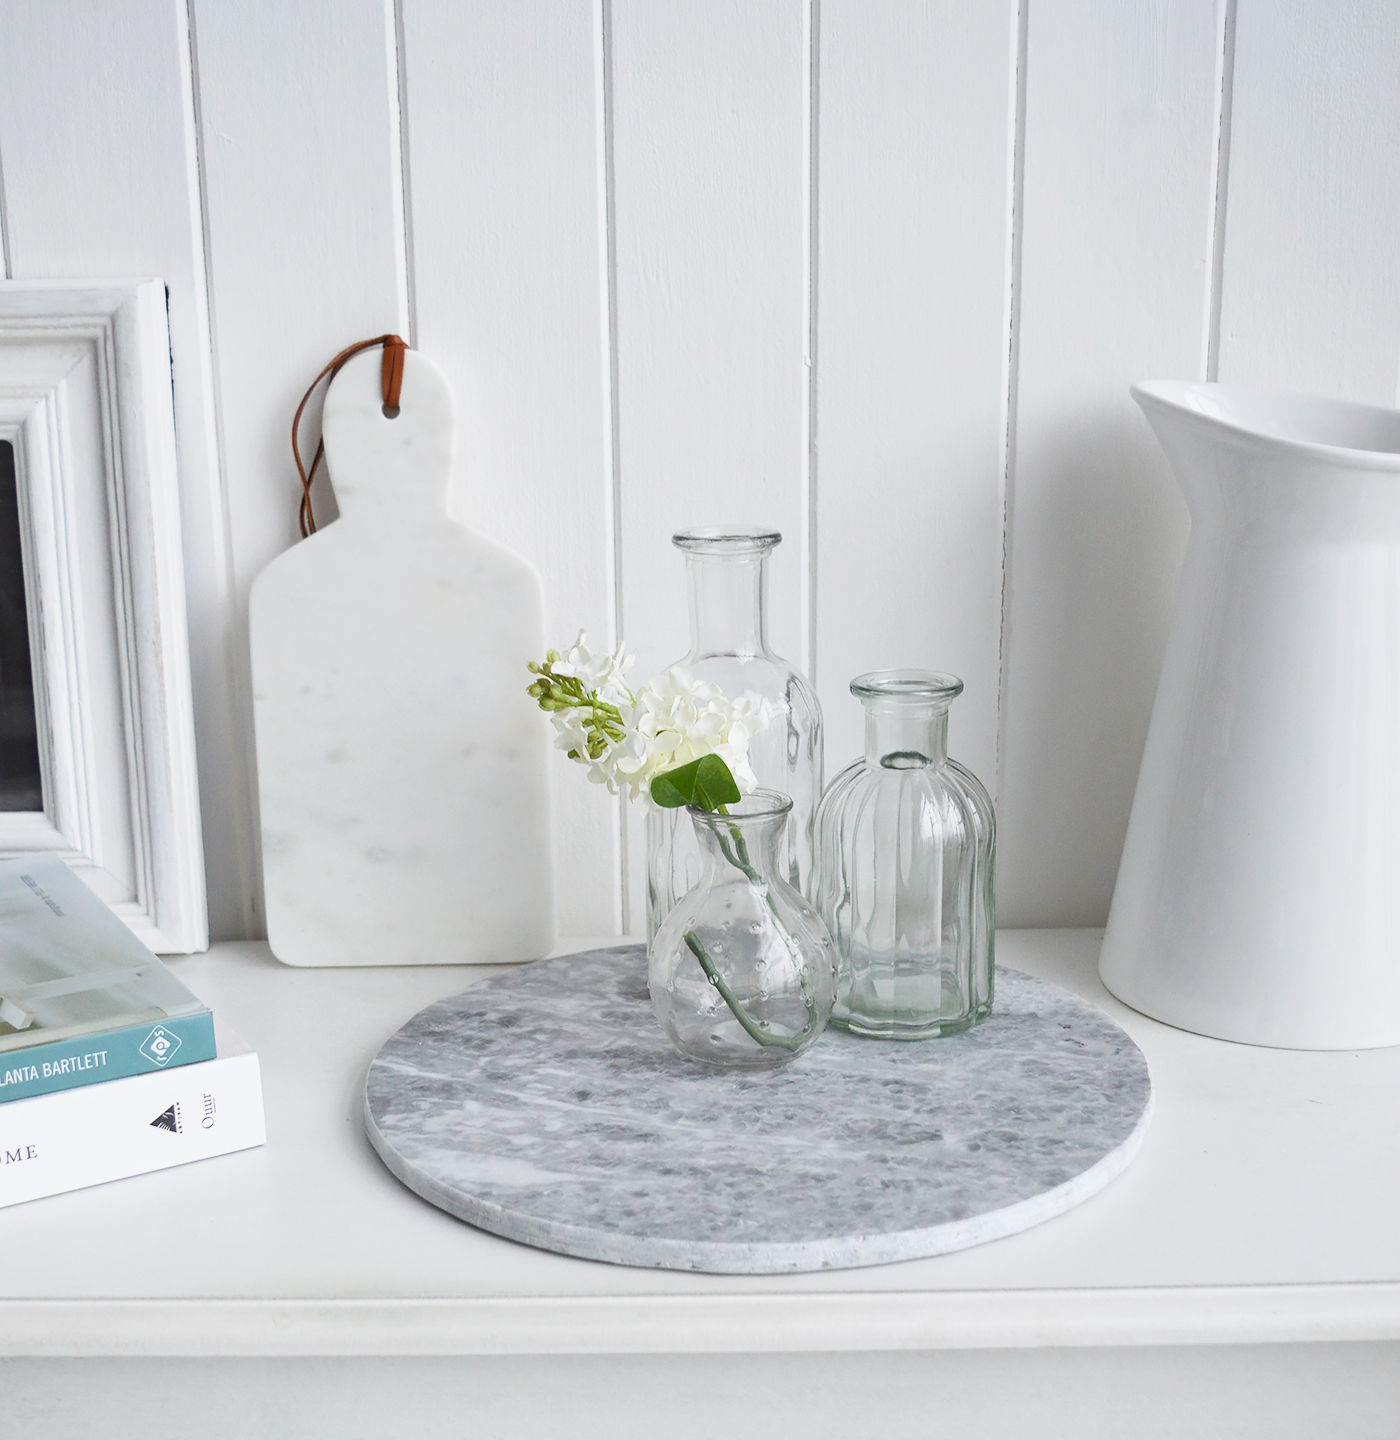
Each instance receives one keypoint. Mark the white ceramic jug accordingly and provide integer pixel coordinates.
(1258, 898)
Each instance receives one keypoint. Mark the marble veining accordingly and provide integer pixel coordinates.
(547, 1106)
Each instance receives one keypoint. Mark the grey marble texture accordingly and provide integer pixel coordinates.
(548, 1106)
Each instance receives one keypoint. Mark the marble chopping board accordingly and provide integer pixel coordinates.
(547, 1106)
(402, 768)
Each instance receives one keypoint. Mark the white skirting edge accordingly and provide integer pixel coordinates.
(949, 1320)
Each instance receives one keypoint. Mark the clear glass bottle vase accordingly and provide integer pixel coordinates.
(728, 575)
(905, 842)
(742, 972)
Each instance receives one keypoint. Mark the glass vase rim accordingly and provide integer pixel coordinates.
(908, 687)
(772, 805)
(727, 539)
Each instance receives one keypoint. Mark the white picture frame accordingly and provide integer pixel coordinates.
(86, 402)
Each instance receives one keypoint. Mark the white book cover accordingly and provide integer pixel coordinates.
(71, 1139)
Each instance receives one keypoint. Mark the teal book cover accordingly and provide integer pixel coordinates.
(81, 998)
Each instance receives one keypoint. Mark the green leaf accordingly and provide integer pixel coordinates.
(714, 785)
(705, 783)
(673, 788)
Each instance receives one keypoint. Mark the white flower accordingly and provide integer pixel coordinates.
(669, 722)
(678, 719)
(600, 673)
(572, 738)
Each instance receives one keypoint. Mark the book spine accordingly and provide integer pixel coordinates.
(112, 1055)
(66, 1141)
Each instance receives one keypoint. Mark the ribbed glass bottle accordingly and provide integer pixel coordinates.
(905, 848)
(728, 574)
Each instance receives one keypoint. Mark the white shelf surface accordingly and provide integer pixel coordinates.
(1260, 1208)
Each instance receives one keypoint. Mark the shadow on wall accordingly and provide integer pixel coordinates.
(1098, 529)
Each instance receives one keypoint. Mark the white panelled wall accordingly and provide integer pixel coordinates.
(877, 274)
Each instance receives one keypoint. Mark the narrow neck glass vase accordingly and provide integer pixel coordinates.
(727, 571)
(742, 971)
(905, 842)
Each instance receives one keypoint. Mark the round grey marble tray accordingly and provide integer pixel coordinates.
(547, 1105)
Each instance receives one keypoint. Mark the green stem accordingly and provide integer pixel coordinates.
(740, 860)
(744, 864)
(763, 1037)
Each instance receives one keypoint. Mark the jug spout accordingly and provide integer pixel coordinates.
(1258, 896)
(1288, 467)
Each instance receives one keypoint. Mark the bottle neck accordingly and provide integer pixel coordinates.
(905, 736)
(739, 843)
(728, 604)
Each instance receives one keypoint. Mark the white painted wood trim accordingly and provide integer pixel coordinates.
(695, 261)
(104, 163)
(909, 379)
(1310, 289)
(511, 277)
(85, 397)
(298, 114)
(662, 1325)
(1113, 272)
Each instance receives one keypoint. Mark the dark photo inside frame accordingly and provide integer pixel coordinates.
(20, 787)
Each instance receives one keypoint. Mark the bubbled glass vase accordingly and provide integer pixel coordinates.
(742, 971)
(905, 845)
(728, 576)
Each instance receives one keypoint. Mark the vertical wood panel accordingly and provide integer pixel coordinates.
(304, 251)
(1311, 282)
(1120, 119)
(503, 114)
(711, 303)
(298, 110)
(101, 181)
(914, 159)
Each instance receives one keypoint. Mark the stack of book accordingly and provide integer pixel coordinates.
(109, 1066)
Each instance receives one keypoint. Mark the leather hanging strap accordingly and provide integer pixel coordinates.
(391, 384)
(392, 373)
